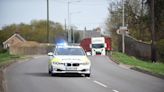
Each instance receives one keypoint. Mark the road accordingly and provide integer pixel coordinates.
(32, 76)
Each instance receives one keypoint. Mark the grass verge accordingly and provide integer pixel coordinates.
(155, 68)
(6, 58)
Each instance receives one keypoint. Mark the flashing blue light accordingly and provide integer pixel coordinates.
(61, 42)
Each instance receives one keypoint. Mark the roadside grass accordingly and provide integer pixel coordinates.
(157, 68)
(6, 58)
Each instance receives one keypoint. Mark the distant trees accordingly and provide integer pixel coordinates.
(159, 17)
(35, 31)
(137, 19)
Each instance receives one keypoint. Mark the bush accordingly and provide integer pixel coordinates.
(160, 49)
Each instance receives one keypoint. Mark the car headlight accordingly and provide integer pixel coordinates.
(58, 63)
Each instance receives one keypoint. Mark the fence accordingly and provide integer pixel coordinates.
(136, 48)
(33, 50)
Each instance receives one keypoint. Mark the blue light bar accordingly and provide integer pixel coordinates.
(61, 42)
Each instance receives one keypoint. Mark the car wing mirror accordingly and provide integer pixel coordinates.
(50, 54)
(88, 53)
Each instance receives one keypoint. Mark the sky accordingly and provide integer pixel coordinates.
(83, 13)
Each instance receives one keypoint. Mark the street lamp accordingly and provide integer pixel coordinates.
(69, 33)
(47, 21)
(71, 24)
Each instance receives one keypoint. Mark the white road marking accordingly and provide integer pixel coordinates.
(99, 83)
(115, 91)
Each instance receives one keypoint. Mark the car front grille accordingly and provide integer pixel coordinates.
(68, 64)
(75, 64)
(72, 64)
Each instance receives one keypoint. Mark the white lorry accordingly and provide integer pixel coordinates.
(98, 46)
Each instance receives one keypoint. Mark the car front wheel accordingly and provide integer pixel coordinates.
(87, 75)
(50, 71)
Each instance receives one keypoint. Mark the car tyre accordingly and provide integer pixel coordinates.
(87, 75)
(49, 72)
(52, 74)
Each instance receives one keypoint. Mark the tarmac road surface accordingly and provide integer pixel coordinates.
(32, 76)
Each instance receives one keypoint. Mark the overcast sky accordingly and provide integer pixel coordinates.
(89, 13)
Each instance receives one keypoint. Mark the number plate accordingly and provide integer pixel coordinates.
(71, 68)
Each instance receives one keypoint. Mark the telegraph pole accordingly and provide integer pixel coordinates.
(72, 31)
(153, 46)
(123, 25)
(47, 21)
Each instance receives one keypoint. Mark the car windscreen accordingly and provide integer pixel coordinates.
(97, 45)
(69, 51)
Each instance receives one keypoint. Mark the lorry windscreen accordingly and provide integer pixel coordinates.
(97, 45)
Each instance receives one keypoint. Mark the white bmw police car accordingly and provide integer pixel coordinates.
(69, 59)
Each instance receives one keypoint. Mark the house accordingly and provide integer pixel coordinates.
(88, 34)
(14, 39)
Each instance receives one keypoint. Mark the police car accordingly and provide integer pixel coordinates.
(69, 59)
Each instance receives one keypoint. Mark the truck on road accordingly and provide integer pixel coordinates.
(96, 45)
